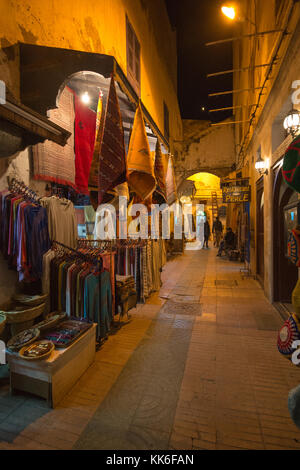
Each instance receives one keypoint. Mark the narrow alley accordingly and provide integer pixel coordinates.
(196, 367)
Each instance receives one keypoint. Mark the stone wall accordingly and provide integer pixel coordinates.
(205, 148)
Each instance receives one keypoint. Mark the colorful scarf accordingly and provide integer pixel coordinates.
(141, 177)
(85, 129)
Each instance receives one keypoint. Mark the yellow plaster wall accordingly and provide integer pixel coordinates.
(99, 26)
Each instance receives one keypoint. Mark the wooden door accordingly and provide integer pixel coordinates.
(260, 238)
(285, 272)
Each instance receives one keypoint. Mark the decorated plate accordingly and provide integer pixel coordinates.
(37, 351)
(50, 321)
(24, 338)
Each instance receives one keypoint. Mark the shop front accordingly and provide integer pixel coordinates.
(73, 289)
(284, 220)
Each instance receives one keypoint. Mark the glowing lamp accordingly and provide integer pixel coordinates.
(261, 166)
(85, 98)
(229, 12)
(292, 122)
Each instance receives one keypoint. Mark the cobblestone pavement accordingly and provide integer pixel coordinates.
(196, 368)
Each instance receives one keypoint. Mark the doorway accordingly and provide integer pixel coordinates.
(285, 272)
(260, 232)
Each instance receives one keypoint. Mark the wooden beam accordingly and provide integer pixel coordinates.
(245, 36)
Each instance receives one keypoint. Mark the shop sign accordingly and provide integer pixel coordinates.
(236, 194)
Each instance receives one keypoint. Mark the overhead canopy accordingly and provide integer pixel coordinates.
(20, 127)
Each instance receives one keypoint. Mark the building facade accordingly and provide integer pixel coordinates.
(44, 45)
(267, 64)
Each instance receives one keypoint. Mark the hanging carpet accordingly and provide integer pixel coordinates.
(141, 177)
(52, 162)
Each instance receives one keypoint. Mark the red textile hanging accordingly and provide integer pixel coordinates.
(85, 129)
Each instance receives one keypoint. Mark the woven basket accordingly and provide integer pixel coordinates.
(30, 301)
(20, 320)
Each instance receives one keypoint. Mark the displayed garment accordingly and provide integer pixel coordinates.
(170, 182)
(25, 235)
(126, 295)
(144, 264)
(80, 288)
(62, 220)
(85, 131)
(160, 170)
(51, 161)
(112, 157)
(141, 177)
(98, 301)
(67, 332)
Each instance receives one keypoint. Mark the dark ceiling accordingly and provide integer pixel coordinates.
(198, 22)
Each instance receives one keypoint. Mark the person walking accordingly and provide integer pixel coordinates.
(206, 233)
(217, 231)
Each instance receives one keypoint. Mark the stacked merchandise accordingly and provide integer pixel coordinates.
(126, 296)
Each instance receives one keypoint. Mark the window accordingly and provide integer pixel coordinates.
(166, 122)
(133, 57)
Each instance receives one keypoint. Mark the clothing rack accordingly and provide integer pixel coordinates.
(86, 257)
(20, 187)
(90, 258)
(111, 245)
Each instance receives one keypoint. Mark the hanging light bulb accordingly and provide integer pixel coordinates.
(85, 98)
(229, 12)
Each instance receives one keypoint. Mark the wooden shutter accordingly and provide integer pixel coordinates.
(133, 57)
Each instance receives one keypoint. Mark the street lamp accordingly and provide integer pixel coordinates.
(292, 123)
(229, 12)
(232, 12)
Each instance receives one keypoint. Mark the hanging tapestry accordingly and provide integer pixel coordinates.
(52, 162)
(160, 193)
(170, 182)
(141, 177)
(291, 165)
(294, 247)
(85, 129)
(94, 169)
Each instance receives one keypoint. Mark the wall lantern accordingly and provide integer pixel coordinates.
(292, 123)
(261, 166)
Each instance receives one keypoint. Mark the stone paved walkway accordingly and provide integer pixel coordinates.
(195, 368)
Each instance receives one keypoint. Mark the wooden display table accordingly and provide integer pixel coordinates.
(52, 378)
